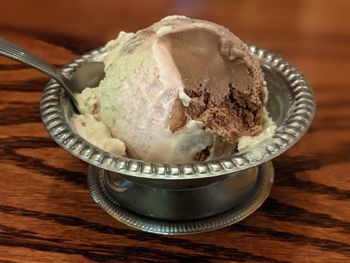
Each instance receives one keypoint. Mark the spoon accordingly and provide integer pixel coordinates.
(87, 75)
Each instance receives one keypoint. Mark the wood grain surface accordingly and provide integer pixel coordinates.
(46, 211)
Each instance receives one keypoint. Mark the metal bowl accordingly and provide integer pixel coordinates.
(180, 193)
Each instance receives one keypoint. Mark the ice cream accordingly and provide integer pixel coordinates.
(181, 90)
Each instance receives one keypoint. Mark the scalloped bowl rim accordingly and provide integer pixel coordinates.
(294, 127)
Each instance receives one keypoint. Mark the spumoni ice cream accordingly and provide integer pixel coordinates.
(181, 90)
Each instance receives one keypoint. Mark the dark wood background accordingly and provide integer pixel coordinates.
(46, 211)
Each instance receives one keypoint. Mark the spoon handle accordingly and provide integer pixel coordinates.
(11, 50)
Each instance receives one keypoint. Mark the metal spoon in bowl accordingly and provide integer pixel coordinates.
(87, 75)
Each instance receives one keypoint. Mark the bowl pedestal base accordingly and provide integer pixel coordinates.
(193, 207)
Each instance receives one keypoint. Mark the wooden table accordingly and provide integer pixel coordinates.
(46, 211)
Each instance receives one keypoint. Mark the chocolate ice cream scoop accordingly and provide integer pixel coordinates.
(227, 91)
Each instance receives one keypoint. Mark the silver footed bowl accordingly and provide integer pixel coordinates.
(160, 194)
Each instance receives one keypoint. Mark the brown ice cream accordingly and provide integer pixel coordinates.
(227, 94)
